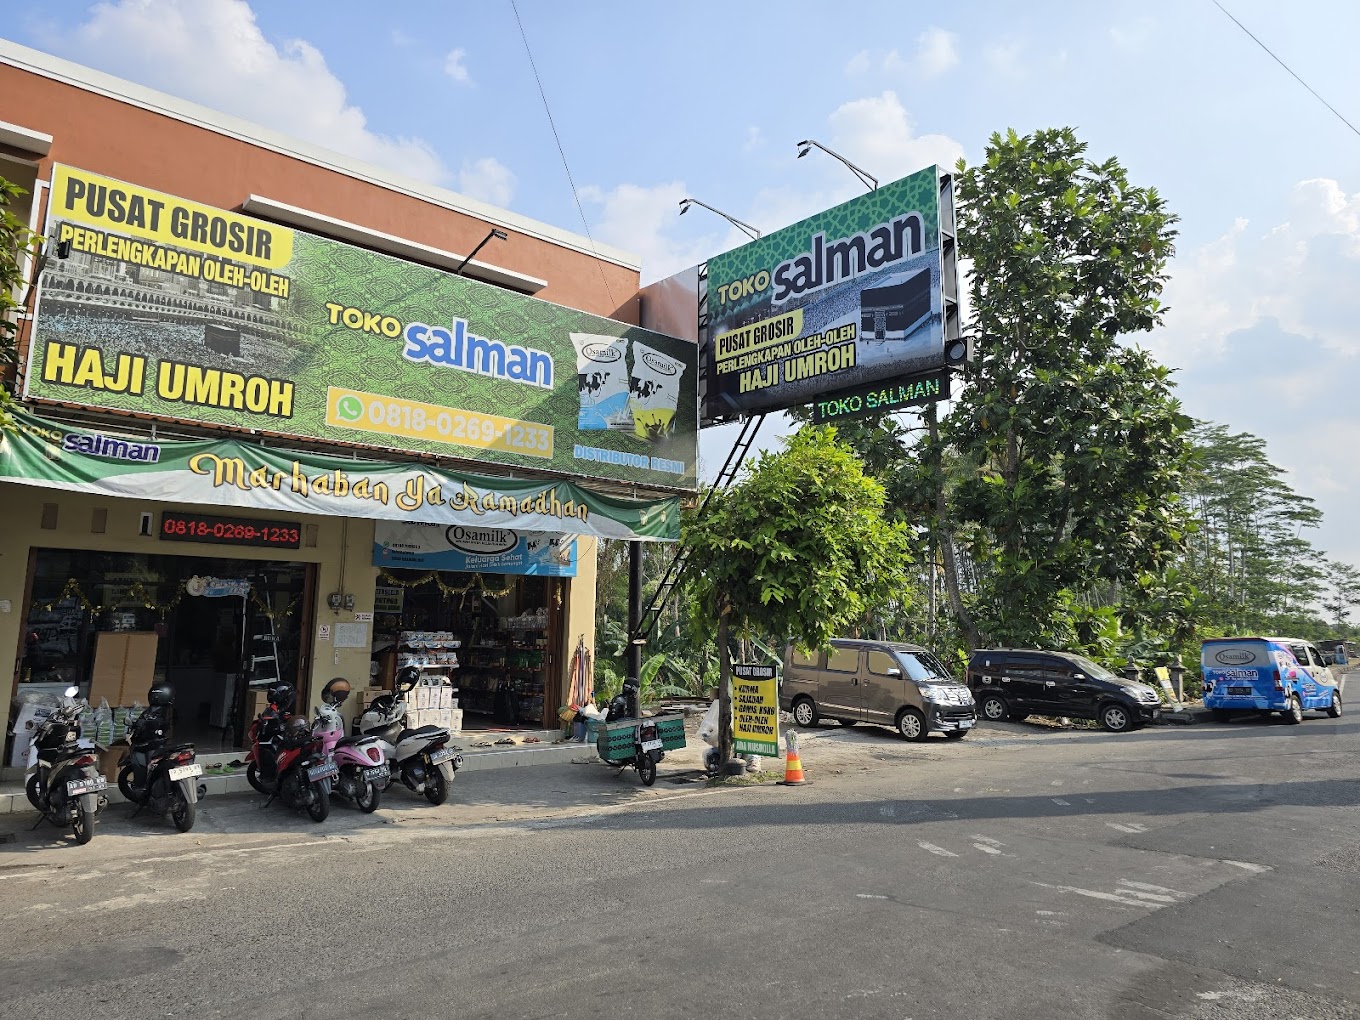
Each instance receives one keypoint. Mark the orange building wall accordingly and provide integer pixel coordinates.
(104, 135)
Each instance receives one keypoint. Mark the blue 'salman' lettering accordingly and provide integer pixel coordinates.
(464, 350)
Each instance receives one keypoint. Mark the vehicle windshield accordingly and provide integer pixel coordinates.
(923, 666)
(1096, 670)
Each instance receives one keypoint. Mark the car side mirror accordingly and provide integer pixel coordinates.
(894, 671)
(1078, 676)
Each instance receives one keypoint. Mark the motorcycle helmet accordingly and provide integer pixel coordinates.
(407, 677)
(297, 732)
(161, 695)
(283, 694)
(336, 691)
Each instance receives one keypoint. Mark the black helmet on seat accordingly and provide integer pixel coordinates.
(161, 695)
(282, 694)
(297, 732)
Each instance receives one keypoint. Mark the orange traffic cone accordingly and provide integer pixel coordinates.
(793, 770)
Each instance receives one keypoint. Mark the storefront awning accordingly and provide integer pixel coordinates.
(231, 473)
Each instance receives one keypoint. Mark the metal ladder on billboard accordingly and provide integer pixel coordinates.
(675, 571)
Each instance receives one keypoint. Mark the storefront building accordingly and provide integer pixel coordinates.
(267, 432)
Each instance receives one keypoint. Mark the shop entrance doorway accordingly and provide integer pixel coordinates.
(115, 623)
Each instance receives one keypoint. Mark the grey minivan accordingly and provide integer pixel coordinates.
(883, 682)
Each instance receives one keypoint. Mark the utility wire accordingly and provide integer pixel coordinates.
(551, 123)
(1277, 60)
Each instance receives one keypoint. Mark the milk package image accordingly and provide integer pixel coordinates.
(602, 381)
(654, 392)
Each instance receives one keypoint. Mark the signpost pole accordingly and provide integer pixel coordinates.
(633, 663)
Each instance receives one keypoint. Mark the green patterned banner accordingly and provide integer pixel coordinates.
(844, 298)
(236, 474)
(171, 308)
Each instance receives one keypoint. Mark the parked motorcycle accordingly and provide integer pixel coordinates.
(153, 773)
(66, 785)
(363, 765)
(285, 760)
(417, 756)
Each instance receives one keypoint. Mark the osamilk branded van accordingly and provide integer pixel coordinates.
(1257, 674)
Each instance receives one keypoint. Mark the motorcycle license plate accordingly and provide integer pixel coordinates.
(185, 772)
(76, 787)
(376, 773)
(320, 772)
(441, 756)
(651, 745)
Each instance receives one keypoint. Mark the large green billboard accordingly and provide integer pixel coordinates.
(171, 308)
(846, 298)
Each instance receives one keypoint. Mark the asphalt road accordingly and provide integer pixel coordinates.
(1198, 872)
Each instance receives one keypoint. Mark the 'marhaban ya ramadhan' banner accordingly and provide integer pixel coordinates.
(168, 307)
(229, 473)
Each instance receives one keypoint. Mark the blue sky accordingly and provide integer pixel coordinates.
(654, 102)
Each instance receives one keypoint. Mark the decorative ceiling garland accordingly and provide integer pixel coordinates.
(445, 589)
(138, 593)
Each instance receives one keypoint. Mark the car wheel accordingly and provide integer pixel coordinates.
(1293, 715)
(805, 712)
(956, 734)
(994, 708)
(847, 722)
(1115, 717)
(1222, 715)
(1334, 709)
(911, 724)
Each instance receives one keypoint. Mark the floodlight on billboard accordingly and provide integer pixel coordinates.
(863, 292)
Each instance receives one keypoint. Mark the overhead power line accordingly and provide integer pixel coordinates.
(1277, 60)
(561, 152)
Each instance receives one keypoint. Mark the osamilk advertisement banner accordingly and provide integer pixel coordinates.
(168, 307)
(847, 297)
(237, 474)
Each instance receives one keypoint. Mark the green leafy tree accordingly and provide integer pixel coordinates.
(16, 241)
(799, 548)
(1075, 444)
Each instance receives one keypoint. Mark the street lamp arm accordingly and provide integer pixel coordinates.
(749, 230)
(865, 178)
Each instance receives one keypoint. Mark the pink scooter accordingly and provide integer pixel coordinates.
(364, 772)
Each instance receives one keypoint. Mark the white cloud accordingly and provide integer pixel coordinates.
(1261, 324)
(455, 67)
(937, 51)
(1006, 58)
(755, 138)
(861, 63)
(213, 52)
(646, 221)
(876, 133)
(487, 179)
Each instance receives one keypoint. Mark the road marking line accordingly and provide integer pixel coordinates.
(1056, 782)
(1064, 803)
(987, 839)
(986, 849)
(1154, 897)
(868, 896)
(939, 851)
(1255, 869)
(1149, 887)
(1123, 828)
(1096, 895)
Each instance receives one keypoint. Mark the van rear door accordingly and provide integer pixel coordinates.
(1239, 674)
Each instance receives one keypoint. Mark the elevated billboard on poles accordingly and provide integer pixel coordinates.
(863, 292)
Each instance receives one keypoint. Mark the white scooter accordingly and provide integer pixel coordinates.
(418, 757)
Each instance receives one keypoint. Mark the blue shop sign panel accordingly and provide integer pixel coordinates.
(458, 547)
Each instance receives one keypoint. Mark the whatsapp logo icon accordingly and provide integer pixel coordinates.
(349, 408)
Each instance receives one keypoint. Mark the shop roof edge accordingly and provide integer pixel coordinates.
(68, 72)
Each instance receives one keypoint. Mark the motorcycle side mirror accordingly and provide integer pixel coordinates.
(71, 692)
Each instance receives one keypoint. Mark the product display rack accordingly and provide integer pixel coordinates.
(527, 659)
(483, 673)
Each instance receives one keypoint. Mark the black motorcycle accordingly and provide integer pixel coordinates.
(66, 785)
(154, 774)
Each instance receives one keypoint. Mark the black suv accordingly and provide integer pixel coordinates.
(1012, 683)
